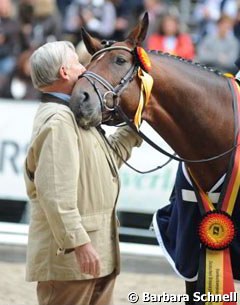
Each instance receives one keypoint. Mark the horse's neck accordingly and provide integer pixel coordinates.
(194, 116)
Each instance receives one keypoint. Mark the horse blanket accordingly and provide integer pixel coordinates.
(176, 226)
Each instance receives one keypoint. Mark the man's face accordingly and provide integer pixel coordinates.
(74, 68)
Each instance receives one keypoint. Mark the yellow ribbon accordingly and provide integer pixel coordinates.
(214, 274)
(146, 88)
(229, 75)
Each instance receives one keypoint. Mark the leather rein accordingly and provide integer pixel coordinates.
(116, 110)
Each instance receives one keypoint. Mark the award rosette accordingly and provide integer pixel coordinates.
(216, 230)
(143, 59)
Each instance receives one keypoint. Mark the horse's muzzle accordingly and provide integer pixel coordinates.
(87, 113)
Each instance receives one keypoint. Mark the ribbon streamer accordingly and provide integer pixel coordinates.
(145, 93)
(215, 269)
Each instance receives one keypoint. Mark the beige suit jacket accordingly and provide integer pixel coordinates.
(73, 194)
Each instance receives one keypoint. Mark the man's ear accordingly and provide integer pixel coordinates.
(93, 45)
(63, 73)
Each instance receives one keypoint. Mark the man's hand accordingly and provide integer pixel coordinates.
(88, 259)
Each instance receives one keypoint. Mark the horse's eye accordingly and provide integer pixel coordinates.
(120, 60)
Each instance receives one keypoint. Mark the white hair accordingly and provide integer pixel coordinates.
(47, 60)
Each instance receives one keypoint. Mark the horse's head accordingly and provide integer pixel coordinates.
(110, 79)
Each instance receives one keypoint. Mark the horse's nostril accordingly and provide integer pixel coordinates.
(85, 97)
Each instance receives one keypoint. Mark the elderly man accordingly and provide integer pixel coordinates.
(73, 184)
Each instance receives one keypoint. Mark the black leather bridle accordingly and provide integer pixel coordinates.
(116, 91)
(118, 112)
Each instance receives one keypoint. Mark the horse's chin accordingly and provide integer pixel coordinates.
(86, 117)
(111, 120)
(88, 123)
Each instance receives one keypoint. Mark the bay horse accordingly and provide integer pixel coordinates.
(190, 105)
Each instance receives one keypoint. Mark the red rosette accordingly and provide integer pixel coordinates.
(216, 230)
(143, 59)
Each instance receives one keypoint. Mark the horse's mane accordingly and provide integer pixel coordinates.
(187, 61)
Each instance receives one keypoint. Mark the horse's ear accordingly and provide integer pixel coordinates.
(93, 45)
(139, 33)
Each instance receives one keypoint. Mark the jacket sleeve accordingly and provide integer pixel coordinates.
(123, 140)
(56, 180)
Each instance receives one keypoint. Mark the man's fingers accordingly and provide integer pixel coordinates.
(97, 268)
(88, 259)
(91, 267)
(85, 267)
